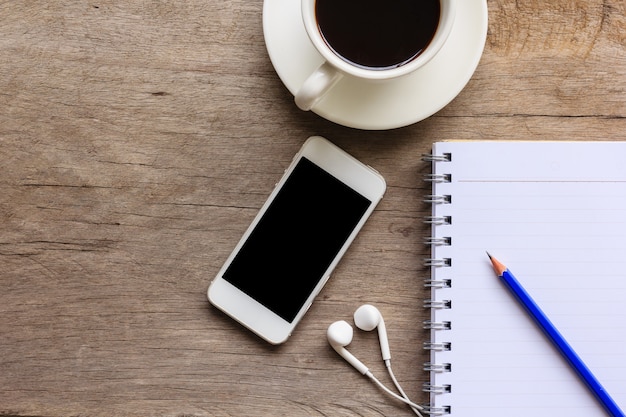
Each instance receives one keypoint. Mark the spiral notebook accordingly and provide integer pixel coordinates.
(555, 213)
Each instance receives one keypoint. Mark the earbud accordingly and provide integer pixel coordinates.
(339, 336)
(367, 317)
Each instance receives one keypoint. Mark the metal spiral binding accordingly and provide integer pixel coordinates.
(437, 367)
(438, 241)
(439, 347)
(446, 157)
(437, 411)
(438, 221)
(436, 389)
(439, 262)
(442, 283)
(438, 178)
(438, 304)
(438, 199)
(437, 325)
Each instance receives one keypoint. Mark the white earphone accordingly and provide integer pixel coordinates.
(339, 336)
(367, 317)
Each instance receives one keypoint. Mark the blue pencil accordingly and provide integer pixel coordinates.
(553, 334)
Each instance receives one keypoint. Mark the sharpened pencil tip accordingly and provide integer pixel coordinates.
(497, 265)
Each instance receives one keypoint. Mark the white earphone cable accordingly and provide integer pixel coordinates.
(396, 396)
(399, 388)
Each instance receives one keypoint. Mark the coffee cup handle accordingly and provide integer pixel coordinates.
(317, 85)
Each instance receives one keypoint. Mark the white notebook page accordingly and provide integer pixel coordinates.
(555, 214)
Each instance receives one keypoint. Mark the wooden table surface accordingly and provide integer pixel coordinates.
(139, 138)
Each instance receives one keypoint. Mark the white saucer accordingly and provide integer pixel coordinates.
(378, 105)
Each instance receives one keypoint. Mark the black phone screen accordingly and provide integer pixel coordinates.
(297, 239)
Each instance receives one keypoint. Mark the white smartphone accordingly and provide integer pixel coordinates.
(293, 244)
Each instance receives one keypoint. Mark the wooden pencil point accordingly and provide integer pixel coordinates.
(498, 266)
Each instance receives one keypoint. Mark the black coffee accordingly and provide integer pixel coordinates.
(377, 34)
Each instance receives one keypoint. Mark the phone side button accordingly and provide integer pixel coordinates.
(373, 169)
(306, 310)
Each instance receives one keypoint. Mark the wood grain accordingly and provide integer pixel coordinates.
(139, 138)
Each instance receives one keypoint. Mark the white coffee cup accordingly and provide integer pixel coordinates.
(335, 67)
